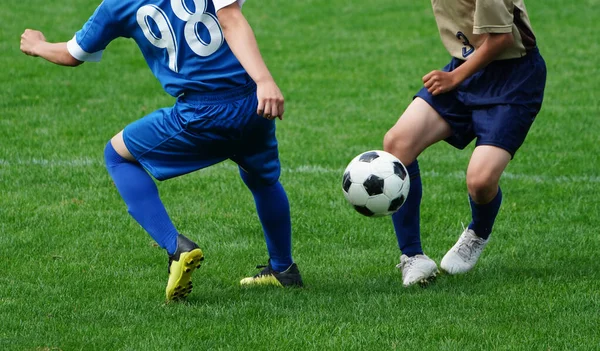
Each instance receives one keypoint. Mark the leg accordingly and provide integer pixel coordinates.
(419, 127)
(517, 89)
(273, 211)
(157, 144)
(259, 168)
(485, 168)
(140, 193)
(483, 174)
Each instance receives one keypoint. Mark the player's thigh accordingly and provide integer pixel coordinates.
(505, 125)
(162, 142)
(419, 127)
(486, 165)
(258, 154)
(119, 145)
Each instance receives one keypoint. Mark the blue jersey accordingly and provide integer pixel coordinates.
(181, 40)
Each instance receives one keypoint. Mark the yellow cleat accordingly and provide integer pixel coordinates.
(268, 276)
(182, 264)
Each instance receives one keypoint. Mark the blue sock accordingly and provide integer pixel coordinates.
(407, 221)
(141, 197)
(274, 213)
(484, 215)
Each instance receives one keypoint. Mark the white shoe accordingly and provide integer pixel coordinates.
(462, 257)
(417, 269)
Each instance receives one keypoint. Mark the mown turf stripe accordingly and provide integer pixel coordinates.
(309, 169)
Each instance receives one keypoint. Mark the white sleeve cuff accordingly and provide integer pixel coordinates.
(77, 52)
(219, 4)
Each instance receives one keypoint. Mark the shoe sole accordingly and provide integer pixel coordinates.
(265, 280)
(425, 282)
(454, 270)
(429, 280)
(180, 279)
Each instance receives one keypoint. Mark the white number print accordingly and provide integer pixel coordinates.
(192, 37)
(166, 38)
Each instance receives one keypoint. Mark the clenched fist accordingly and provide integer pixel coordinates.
(29, 41)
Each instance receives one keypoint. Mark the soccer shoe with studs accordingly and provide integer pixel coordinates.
(462, 257)
(417, 269)
(268, 276)
(182, 264)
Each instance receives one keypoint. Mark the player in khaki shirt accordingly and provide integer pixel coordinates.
(491, 91)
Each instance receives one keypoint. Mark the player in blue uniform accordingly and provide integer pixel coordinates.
(491, 91)
(204, 53)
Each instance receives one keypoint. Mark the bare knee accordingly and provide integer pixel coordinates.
(399, 145)
(389, 142)
(482, 186)
(485, 168)
(419, 127)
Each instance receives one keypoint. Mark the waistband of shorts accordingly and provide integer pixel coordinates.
(220, 96)
(530, 53)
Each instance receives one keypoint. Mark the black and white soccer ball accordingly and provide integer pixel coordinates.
(376, 183)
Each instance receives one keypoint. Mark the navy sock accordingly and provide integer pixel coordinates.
(407, 221)
(484, 215)
(274, 213)
(141, 197)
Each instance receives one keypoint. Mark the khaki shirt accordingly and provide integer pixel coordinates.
(464, 25)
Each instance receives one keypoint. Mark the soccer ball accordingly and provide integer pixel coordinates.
(376, 183)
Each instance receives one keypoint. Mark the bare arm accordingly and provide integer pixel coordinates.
(33, 43)
(241, 40)
(438, 82)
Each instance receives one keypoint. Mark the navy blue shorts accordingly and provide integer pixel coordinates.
(202, 130)
(496, 105)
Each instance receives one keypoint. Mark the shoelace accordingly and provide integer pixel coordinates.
(467, 246)
(264, 270)
(409, 262)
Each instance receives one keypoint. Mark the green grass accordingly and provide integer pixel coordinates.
(77, 273)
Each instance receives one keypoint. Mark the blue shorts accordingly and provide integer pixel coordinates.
(202, 130)
(496, 105)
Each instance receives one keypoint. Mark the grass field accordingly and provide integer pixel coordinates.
(77, 273)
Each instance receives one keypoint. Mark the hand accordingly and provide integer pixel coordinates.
(438, 82)
(30, 39)
(270, 100)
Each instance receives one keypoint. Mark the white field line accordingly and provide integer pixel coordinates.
(308, 169)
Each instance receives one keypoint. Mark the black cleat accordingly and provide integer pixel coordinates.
(268, 276)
